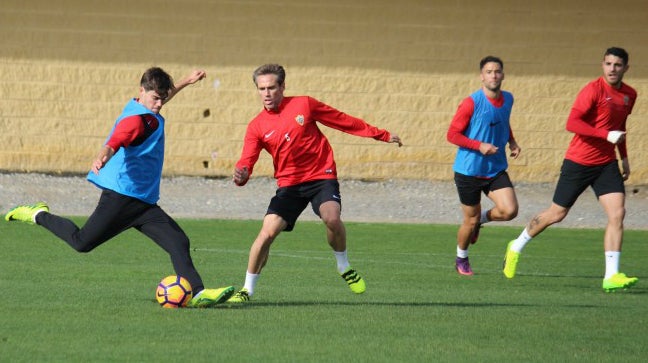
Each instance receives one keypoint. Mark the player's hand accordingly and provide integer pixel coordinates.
(515, 149)
(625, 168)
(487, 149)
(240, 176)
(102, 158)
(99, 163)
(96, 165)
(616, 137)
(395, 139)
(195, 76)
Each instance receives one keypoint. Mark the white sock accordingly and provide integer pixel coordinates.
(342, 261)
(612, 263)
(521, 241)
(484, 217)
(250, 282)
(462, 253)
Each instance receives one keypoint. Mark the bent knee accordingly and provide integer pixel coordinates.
(83, 248)
(333, 222)
(510, 214)
(267, 236)
(557, 216)
(505, 214)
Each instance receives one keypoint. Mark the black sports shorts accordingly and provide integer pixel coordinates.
(471, 187)
(290, 202)
(575, 178)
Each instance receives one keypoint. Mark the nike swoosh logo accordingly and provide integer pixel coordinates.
(494, 123)
(268, 134)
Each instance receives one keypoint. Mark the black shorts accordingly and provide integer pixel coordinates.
(470, 187)
(290, 202)
(575, 178)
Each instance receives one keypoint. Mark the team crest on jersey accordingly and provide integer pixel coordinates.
(300, 120)
(626, 100)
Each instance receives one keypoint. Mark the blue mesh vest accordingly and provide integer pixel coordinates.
(135, 171)
(491, 125)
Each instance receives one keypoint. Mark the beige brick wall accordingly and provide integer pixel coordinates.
(68, 67)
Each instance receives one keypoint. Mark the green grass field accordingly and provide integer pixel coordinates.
(59, 305)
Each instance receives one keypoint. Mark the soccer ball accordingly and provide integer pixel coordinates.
(173, 292)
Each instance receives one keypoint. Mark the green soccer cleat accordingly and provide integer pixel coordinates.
(356, 283)
(618, 281)
(210, 297)
(511, 259)
(26, 213)
(240, 297)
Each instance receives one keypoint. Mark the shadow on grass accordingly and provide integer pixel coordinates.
(261, 304)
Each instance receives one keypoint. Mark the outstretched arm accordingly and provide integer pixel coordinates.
(192, 78)
(336, 119)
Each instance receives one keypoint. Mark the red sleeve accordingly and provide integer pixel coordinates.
(126, 131)
(251, 149)
(459, 124)
(585, 101)
(339, 120)
(576, 125)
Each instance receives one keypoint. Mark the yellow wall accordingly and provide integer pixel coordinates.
(67, 68)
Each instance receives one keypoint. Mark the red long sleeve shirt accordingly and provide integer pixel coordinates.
(599, 108)
(299, 150)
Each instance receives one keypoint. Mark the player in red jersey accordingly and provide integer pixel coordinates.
(303, 166)
(598, 121)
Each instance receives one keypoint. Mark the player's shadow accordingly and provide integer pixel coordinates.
(261, 304)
